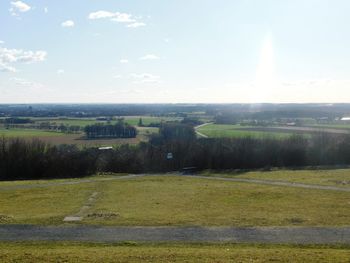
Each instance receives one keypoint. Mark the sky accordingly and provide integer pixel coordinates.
(174, 51)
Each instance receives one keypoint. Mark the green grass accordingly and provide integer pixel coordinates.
(28, 133)
(174, 201)
(237, 131)
(42, 205)
(339, 178)
(188, 201)
(32, 252)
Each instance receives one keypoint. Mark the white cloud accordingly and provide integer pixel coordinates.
(124, 61)
(101, 14)
(2, 42)
(60, 71)
(118, 17)
(145, 78)
(10, 56)
(46, 10)
(123, 18)
(68, 23)
(18, 6)
(26, 83)
(136, 24)
(6, 68)
(150, 57)
(117, 76)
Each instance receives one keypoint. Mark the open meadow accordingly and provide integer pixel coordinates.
(175, 200)
(203, 201)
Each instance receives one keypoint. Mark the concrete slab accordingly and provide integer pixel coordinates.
(72, 218)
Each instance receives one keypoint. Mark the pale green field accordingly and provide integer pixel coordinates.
(176, 200)
(132, 120)
(27, 133)
(234, 131)
(33, 252)
(146, 120)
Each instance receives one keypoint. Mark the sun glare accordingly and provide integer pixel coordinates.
(265, 81)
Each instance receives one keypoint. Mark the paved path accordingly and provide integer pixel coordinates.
(268, 235)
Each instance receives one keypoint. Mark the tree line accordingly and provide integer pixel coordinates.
(118, 130)
(20, 159)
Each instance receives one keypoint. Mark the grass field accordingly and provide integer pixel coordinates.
(32, 252)
(338, 177)
(234, 131)
(176, 200)
(82, 122)
(332, 126)
(28, 133)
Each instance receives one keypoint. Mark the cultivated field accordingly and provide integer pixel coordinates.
(53, 137)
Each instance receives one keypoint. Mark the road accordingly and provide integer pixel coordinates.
(267, 235)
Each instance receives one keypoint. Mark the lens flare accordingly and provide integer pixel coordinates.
(265, 82)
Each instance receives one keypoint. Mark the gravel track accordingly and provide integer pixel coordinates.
(266, 235)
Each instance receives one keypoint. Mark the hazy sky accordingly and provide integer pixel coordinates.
(174, 51)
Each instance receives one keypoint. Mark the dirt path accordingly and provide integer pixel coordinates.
(199, 133)
(81, 181)
(268, 235)
(132, 176)
(275, 183)
(83, 210)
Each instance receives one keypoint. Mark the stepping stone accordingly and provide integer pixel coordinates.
(72, 218)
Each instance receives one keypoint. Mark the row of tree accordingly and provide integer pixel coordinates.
(47, 126)
(118, 130)
(21, 159)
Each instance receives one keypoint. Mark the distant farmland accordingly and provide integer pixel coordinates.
(132, 120)
(237, 131)
(232, 131)
(55, 137)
